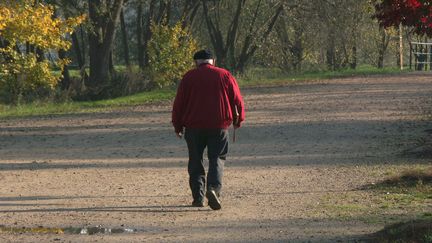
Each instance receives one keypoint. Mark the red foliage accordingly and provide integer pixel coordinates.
(412, 13)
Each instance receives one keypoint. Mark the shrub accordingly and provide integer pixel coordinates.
(170, 53)
(25, 79)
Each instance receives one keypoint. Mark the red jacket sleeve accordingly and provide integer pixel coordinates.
(237, 100)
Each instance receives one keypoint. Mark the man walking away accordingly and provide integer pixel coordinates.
(208, 101)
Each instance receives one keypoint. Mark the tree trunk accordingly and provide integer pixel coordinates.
(83, 41)
(111, 65)
(27, 44)
(101, 41)
(382, 48)
(147, 33)
(139, 33)
(297, 50)
(380, 61)
(3, 44)
(168, 11)
(77, 49)
(65, 81)
(353, 63)
(330, 53)
(124, 39)
(40, 54)
(232, 32)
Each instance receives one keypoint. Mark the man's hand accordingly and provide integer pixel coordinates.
(236, 117)
(236, 124)
(179, 134)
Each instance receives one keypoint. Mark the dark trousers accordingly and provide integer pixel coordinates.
(216, 141)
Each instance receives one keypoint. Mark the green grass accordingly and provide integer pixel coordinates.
(254, 77)
(399, 196)
(48, 108)
(136, 99)
(275, 76)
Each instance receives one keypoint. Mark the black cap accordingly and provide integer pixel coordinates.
(203, 54)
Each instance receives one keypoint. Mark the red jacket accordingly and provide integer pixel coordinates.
(206, 98)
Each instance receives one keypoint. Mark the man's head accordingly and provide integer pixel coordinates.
(203, 56)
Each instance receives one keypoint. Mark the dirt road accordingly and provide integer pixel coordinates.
(293, 175)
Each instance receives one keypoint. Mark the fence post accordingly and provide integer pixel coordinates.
(410, 59)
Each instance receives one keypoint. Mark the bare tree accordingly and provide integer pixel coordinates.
(251, 42)
(226, 40)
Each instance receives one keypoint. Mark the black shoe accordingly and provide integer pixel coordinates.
(198, 204)
(213, 200)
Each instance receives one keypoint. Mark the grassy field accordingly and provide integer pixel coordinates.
(253, 78)
(48, 108)
(268, 76)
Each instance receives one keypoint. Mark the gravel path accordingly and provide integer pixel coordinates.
(293, 175)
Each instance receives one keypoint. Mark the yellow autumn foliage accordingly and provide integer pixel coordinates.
(170, 53)
(26, 23)
(4, 15)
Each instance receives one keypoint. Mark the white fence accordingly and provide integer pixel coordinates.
(420, 56)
